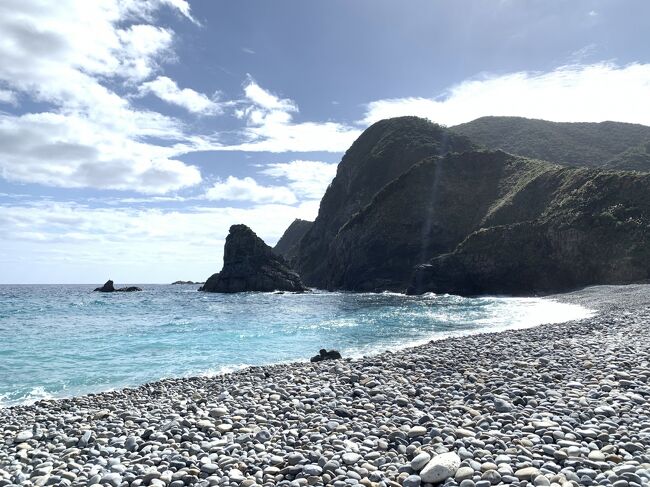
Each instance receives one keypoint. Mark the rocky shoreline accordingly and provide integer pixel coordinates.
(560, 405)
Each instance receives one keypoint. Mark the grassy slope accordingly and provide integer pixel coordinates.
(579, 144)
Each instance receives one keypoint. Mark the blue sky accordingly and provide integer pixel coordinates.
(134, 133)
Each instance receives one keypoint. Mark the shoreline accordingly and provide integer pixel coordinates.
(514, 405)
(366, 351)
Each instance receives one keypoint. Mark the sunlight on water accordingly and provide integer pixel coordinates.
(58, 341)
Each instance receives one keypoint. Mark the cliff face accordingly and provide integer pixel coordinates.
(287, 246)
(427, 211)
(415, 206)
(382, 153)
(251, 265)
(575, 144)
(594, 229)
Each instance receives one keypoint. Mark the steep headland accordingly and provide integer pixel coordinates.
(413, 206)
(383, 152)
(425, 212)
(575, 144)
(251, 265)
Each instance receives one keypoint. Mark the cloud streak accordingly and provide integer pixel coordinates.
(308, 179)
(270, 126)
(194, 102)
(249, 190)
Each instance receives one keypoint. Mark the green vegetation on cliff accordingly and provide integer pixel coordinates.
(417, 206)
(576, 144)
(382, 153)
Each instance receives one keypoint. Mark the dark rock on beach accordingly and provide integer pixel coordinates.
(251, 265)
(326, 355)
(109, 287)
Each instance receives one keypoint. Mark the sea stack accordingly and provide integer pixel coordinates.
(251, 265)
(109, 287)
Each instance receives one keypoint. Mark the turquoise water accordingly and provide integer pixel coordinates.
(58, 341)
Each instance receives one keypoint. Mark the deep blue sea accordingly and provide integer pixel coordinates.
(59, 341)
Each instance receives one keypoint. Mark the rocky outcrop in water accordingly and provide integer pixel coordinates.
(287, 246)
(251, 265)
(109, 287)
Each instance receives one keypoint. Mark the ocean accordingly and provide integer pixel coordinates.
(65, 340)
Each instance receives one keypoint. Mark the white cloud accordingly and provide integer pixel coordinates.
(270, 126)
(8, 97)
(167, 90)
(247, 189)
(307, 179)
(585, 93)
(71, 151)
(266, 100)
(67, 242)
(66, 54)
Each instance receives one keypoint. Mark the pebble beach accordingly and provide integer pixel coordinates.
(557, 405)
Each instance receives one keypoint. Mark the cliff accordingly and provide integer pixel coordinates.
(426, 212)
(382, 153)
(592, 228)
(415, 206)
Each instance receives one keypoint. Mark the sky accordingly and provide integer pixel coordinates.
(133, 133)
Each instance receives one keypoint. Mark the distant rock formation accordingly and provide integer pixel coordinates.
(251, 265)
(287, 246)
(109, 287)
(185, 282)
(326, 355)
